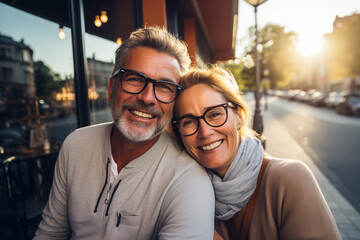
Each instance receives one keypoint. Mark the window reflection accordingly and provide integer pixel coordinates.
(37, 101)
(100, 66)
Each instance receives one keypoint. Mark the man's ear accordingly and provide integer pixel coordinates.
(110, 85)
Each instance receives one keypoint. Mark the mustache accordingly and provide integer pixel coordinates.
(140, 106)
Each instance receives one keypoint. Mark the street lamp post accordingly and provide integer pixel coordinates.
(257, 121)
(266, 73)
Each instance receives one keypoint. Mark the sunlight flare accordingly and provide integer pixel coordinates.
(310, 45)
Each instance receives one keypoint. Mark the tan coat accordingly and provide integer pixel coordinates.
(290, 205)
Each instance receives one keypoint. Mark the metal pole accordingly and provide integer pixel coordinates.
(258, 122)
(80, 63)
(266, 99)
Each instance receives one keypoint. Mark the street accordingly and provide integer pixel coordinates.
(331, 141)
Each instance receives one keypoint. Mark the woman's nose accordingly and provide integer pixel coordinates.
(204, 129)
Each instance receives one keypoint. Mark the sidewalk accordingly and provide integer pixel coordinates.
(279, 143)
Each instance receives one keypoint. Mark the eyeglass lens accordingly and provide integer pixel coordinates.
(214, 117)
(136, 83)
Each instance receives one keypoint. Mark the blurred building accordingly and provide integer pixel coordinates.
(336, 66)
(16, 70)
(99, 74)
(343, 54)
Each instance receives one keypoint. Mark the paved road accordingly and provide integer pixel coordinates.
(331, 140)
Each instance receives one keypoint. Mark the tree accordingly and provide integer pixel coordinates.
(46, 81)
(277, 52)
(242, 75)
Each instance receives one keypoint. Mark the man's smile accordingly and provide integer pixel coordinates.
(141, 114)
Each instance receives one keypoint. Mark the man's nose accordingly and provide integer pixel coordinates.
(147, 96)
(204, 129)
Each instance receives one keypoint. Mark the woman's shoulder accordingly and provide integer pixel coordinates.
(289, 173)
(296, 202)
(287, 166)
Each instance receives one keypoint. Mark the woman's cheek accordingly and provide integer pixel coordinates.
(191, 150)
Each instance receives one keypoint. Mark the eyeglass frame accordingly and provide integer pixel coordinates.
(224, 105)
(147, 79)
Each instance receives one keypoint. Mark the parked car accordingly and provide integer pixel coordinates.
(308, 95)
(280, 93)
(349, 104)
(330, 99)
(292, 94)
(333, 98)
(318, 99)
(300, 96)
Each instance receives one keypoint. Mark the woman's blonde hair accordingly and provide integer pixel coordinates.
(222, 81)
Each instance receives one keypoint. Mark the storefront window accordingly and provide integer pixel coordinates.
(100, 60)
(37, 101)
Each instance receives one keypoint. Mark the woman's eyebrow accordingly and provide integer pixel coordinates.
(186, 115)
(192, 115)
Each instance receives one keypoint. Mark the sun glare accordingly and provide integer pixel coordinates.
(310, 45)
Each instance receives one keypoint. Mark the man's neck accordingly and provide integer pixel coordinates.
(124, 150)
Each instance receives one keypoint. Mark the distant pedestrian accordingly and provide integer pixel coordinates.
(257, 196)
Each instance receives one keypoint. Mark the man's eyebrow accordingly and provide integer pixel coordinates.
(160, 79)
(166, 80)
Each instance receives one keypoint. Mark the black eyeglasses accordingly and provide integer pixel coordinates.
(134, 83)
(215, 116)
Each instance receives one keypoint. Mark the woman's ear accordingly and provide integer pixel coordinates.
(239, 117)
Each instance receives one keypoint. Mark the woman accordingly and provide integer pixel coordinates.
(210, 120)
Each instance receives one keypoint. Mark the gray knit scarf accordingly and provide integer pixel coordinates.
(234, 191)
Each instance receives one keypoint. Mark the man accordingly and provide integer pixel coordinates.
(129, 179)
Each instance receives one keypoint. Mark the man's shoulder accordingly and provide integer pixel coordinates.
(89, 131)
(177, 153)
(178, 163)
(86, 136)
(183, 172)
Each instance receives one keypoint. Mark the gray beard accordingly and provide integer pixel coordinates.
(137, 136)
(146, 133)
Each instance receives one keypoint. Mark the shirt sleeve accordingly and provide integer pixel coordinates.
(188, 209)
(304, 212)
(55, 224)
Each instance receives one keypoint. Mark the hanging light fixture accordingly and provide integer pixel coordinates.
(62, 34)
(97, 21)
(104, 18)
(119, 41)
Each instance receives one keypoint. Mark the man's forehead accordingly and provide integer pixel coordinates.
(153, 64)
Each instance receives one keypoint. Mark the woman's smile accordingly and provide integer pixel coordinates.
(211, 146)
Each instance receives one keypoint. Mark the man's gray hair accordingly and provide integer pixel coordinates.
(156, 38)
